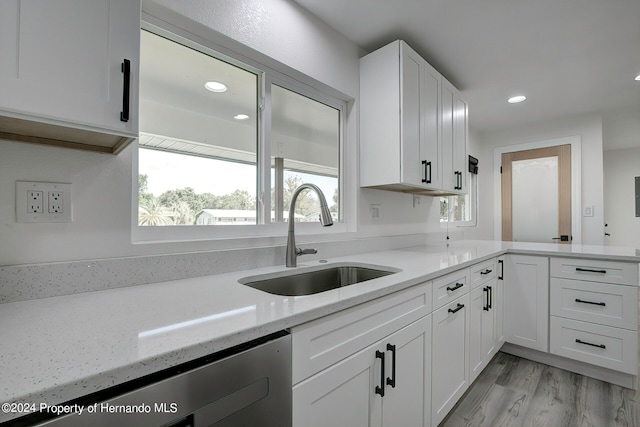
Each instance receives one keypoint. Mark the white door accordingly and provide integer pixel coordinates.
(408, 402)
(342, 395)
(450, 378)
(536, 195)
(526, 301)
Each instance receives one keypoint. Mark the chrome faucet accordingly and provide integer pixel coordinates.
(325, 220)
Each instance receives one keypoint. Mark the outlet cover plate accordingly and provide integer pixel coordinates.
(24, 188)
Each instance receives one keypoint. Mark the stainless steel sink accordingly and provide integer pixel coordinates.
(314, 281)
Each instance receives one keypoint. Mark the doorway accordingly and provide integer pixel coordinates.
(536, 195)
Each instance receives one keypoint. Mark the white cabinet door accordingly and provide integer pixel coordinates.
(430, 141)
(454, 139)
(386, 384)
(400, 122)
(408, 403)
(526, 301)
(450, 357)
(482, 327)
(410, 130)
(342, 395)
(61, 63)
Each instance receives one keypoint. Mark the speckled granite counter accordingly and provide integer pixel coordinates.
(60, 348)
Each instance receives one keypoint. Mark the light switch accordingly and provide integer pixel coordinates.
(588, 210)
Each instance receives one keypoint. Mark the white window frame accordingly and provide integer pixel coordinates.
(288, 79)
(473, 208)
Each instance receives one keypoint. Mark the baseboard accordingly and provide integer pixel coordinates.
(599, 373)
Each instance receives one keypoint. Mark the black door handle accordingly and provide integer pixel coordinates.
(380, 388)
(457, 309)
(487, 271)
(486, 306)
(591, 302)
(501, 275)
(457, 286)
(589, 270)
(592, 345)
(126, 69)
(392, 381)
(427, 172)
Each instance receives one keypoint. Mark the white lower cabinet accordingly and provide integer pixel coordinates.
(483, 342)
(385, 384)
(526, 301)
(450, 358)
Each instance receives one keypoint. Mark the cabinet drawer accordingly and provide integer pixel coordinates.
(622, 273)
(611, 305)
(482, 272)
(612, 348)
(449, 287)
(321, 343)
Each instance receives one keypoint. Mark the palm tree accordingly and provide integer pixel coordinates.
(152, 212)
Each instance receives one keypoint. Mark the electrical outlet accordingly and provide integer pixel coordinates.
(34, 201)
(43, 202)
(56, 202)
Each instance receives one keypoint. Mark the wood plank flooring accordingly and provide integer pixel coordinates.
(517, 392)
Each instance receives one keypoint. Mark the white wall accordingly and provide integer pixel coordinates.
(102, 184)
(621, 140)
(620, 169)
(588, 127)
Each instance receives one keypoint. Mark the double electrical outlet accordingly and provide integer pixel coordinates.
(43, 202)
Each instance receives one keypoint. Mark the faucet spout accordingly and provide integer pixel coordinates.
(325, 220)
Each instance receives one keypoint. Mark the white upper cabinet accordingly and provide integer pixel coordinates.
(403, 123)
(454, 139)
(69, 72)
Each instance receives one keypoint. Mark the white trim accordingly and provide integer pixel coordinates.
(576, 182)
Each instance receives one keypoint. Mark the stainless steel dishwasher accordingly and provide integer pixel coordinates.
(249, 387)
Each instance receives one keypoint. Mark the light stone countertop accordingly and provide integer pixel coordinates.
(57, 349)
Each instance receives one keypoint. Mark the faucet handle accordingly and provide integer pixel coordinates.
(309, 251)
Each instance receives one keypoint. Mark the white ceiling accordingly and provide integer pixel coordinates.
(567, 56)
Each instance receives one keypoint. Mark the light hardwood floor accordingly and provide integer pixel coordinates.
(517, 392)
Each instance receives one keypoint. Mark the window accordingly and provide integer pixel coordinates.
(209, 128)
(460, 210)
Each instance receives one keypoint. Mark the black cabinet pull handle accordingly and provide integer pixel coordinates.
(455, 310)
(486, 306)
(392, 381)
(126, 69)
(592, 345)
(380, 388)
(490, 297)
(591, 302)
(501, 275)
(588, 270)
(457, 286)
(427, 172)
(487, 271)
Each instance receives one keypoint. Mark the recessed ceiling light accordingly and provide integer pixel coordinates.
(215, 86)
(638, 78)
(516, 99)
(241, 117)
